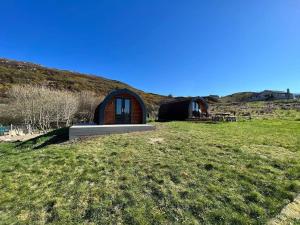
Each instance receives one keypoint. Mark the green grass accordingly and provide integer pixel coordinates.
(182, 173)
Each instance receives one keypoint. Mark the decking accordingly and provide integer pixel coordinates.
(78, 131)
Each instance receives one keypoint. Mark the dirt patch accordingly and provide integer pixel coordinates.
(288, 213)
(9, 138)
(156, 140)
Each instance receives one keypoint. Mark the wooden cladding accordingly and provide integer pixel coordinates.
(121, 106)
(136, 110)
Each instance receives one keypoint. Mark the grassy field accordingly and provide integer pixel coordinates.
(182, 173)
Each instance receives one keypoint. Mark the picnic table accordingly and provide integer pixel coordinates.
(224, 117)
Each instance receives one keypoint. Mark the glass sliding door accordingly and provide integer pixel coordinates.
(122, 110)
(195, 109)
(118, 110)
(127, 113)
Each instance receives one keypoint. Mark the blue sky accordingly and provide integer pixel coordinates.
(174, 47)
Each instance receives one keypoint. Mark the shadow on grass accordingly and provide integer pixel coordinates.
(191, 121)
(53, 137)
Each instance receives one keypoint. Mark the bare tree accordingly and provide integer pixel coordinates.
(88, 102)
(43, 107)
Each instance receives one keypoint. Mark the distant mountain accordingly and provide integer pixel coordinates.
(15, 72)
(238, 97)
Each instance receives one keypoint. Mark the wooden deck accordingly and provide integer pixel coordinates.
(215, 118)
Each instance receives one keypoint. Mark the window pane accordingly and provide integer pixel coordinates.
(118, 106)
(127, 106)
(195, 106)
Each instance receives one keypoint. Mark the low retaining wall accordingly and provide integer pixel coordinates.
(78, 131)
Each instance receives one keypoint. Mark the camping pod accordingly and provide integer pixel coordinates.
(121, 106)
(183, 109)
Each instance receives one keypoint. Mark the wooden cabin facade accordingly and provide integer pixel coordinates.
(121, 106)
(183, 109)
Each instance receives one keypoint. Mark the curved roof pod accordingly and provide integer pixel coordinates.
(181, 108)
(99, 117)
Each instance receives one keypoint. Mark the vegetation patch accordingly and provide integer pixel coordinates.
(182, 173)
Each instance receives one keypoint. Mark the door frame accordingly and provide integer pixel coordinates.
(123, 117)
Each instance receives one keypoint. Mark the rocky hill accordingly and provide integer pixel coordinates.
(238, 97)
(15, 72)
(266, 95)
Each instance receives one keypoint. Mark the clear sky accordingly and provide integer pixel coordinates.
(192, 47)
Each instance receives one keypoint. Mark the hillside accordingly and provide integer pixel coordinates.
(16, 72)
(238, 97)
(266, 95)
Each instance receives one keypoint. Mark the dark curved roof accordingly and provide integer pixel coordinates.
(99, 113)
(183, 99)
